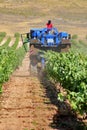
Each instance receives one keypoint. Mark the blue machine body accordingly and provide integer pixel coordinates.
(47, 37)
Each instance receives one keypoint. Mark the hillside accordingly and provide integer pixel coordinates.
(67, 15)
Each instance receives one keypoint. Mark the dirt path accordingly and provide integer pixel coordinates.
(23, 104)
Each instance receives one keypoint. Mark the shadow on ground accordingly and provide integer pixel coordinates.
(65, 118)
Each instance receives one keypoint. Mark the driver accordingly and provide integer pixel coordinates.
(49, 25)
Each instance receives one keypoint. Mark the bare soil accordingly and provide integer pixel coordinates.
(12, 23)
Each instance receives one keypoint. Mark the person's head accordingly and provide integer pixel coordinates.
(49, 22)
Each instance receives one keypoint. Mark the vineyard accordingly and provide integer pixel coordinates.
(67, 69)
(43, 90)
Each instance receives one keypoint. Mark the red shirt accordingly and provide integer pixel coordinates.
(49, 26)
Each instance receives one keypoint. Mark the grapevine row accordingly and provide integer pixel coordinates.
(70, 69)
(10, 58)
